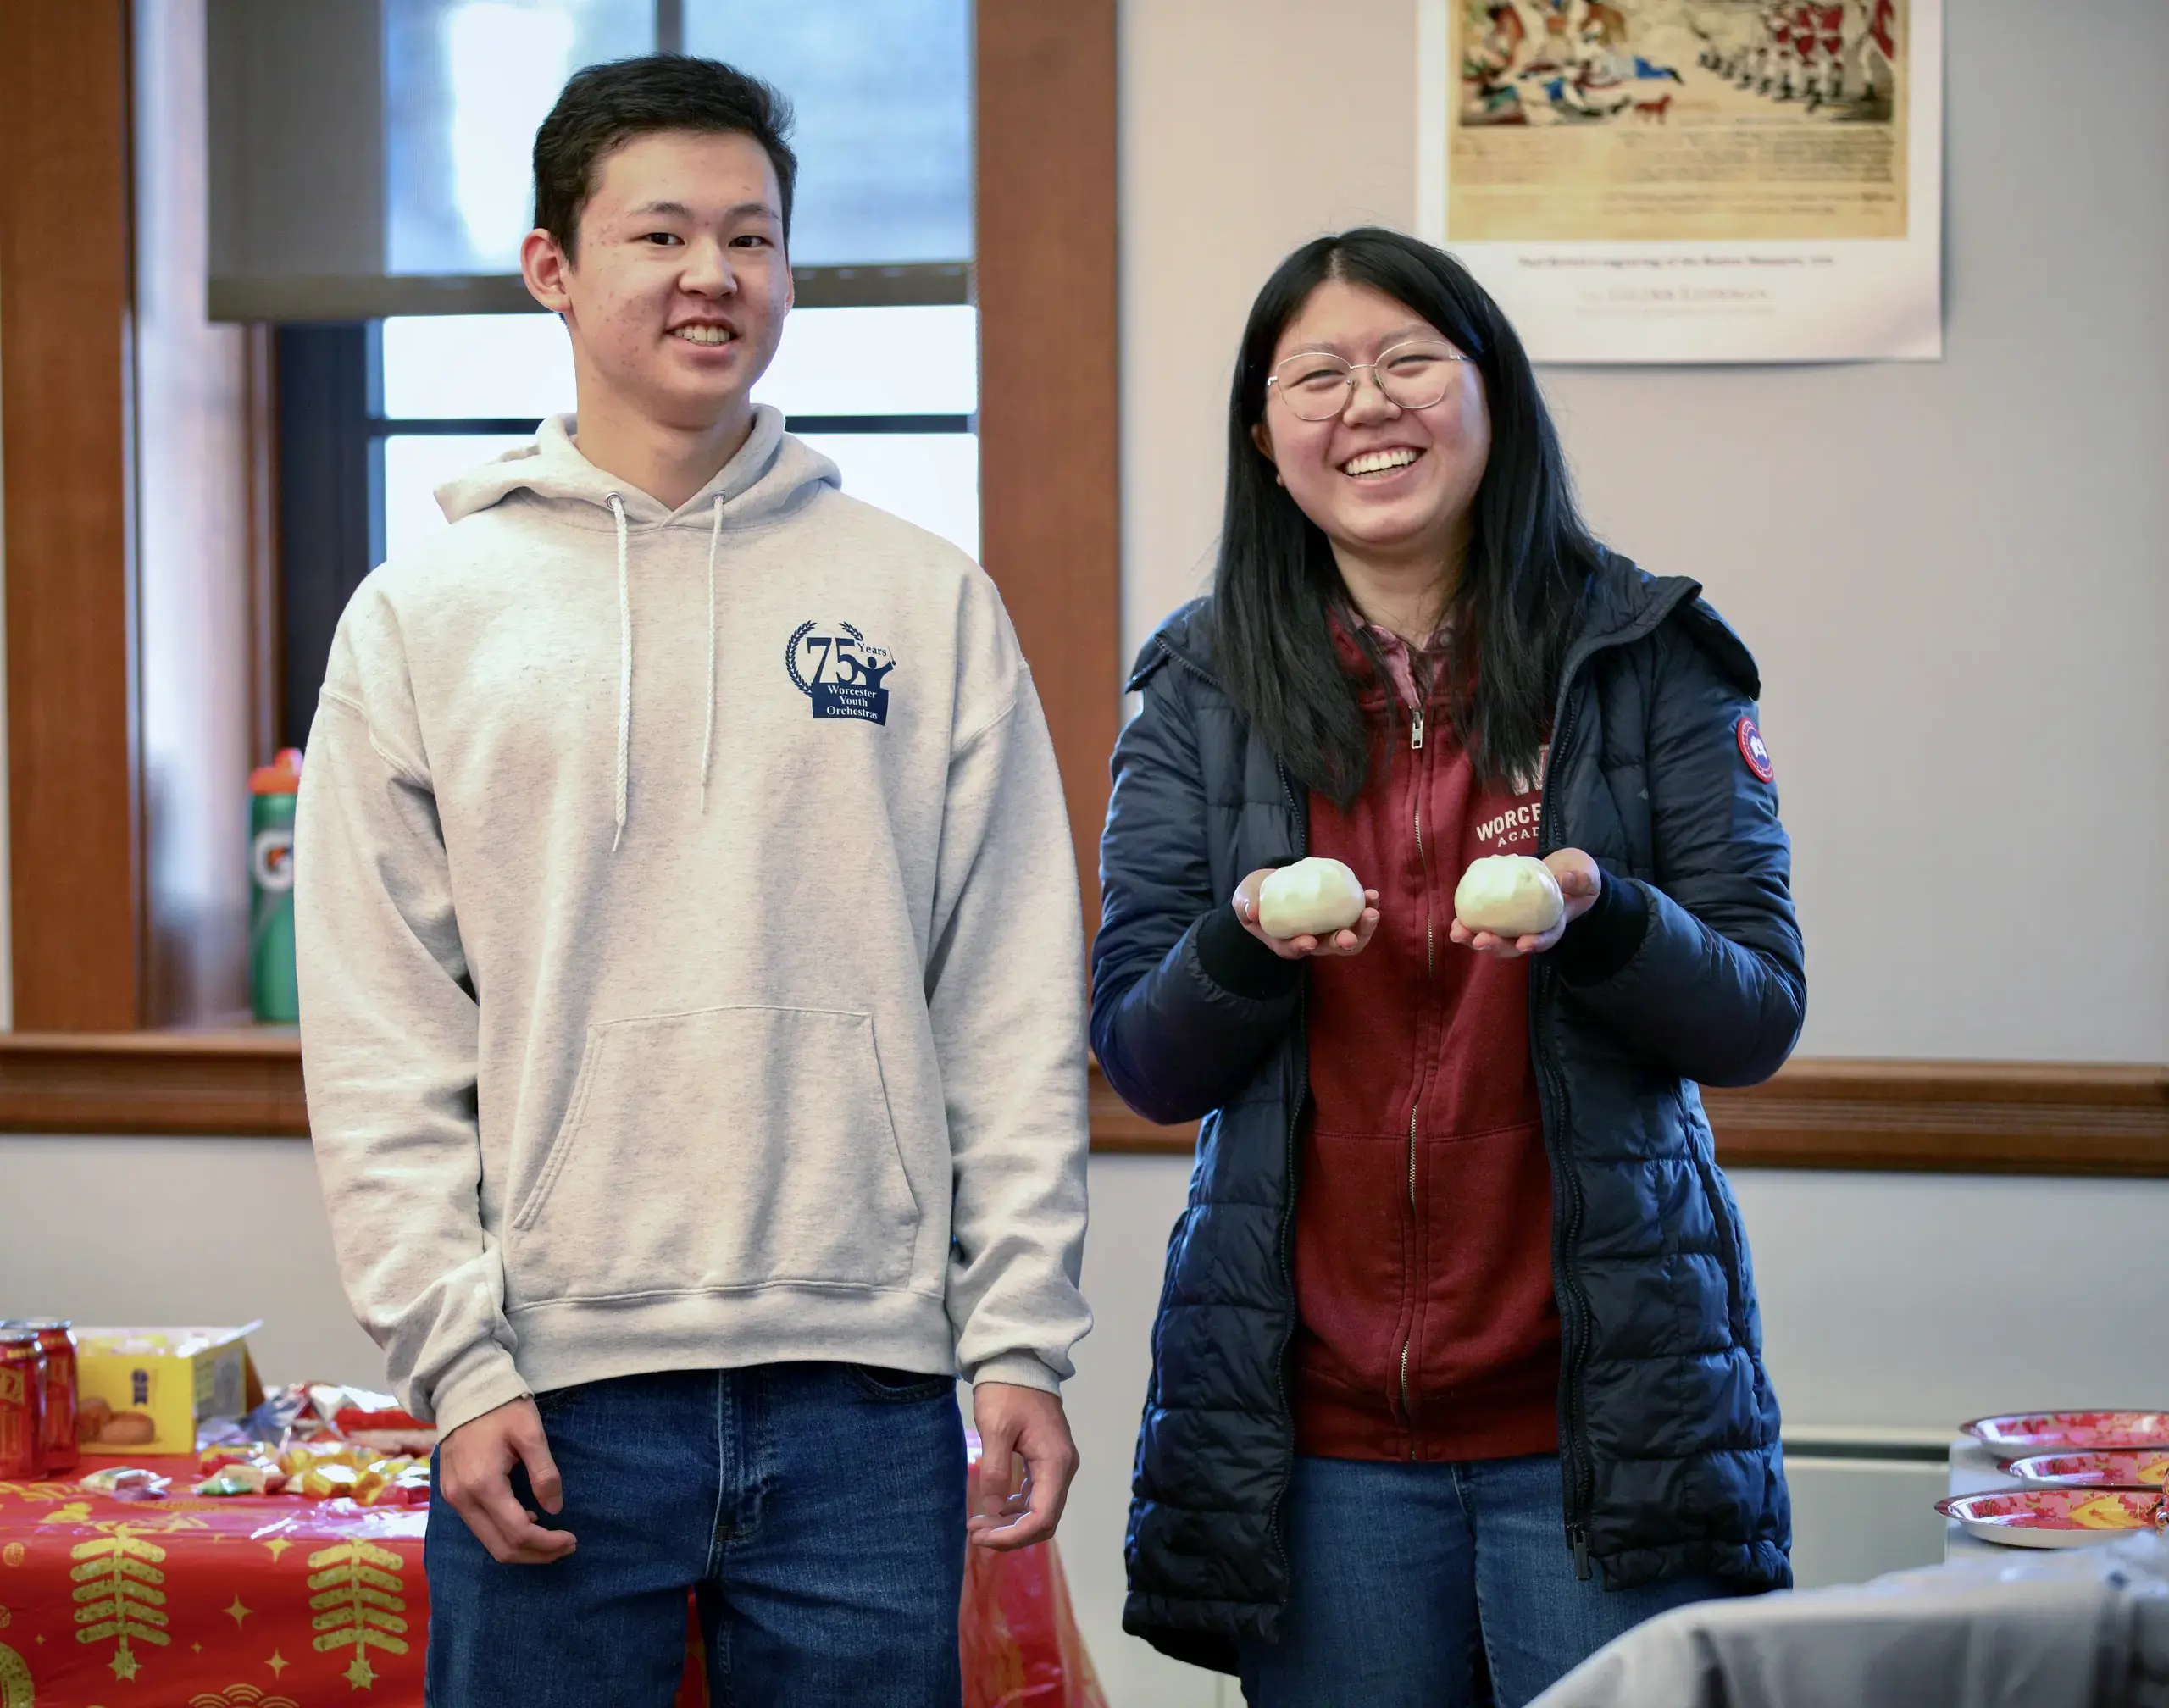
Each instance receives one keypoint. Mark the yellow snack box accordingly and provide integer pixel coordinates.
(144, 1390)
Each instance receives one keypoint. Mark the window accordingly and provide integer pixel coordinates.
(883, 94)
(466, 83)
(884, 97)
(889, 393)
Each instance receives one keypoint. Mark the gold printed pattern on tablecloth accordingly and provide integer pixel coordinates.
(241, 1696)
(39, 1491)
(15, 1688)
(117, 1594)
(358, 1602)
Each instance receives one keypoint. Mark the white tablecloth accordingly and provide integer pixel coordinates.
(1991, 1627)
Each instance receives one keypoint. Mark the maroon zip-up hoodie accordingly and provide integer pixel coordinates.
(1428, 1328)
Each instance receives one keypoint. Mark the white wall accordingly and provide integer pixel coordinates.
(200, 1231)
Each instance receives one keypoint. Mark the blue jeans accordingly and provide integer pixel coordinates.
(817, 1510)
(1411, 1583)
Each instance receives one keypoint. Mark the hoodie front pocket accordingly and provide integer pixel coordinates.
(723, 1148)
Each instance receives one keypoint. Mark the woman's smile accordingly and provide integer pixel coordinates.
(1381, 467)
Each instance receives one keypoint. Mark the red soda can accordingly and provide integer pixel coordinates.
(57, 1336)
(22, 1405)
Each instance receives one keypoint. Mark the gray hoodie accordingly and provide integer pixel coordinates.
(691, 966)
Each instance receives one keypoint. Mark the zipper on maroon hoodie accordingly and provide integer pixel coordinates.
(1416, 1101)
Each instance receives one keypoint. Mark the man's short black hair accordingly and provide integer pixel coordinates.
(605, 107)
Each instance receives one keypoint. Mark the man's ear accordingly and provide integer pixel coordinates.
(543, 265)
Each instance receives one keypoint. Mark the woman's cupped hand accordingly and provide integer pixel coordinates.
(1581, 881)
(1348, 941)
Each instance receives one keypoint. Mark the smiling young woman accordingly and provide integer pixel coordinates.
(1460, 1315)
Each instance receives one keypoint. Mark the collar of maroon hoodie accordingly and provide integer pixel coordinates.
(1399, 658)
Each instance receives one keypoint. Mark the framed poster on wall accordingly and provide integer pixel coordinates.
(1691, 181)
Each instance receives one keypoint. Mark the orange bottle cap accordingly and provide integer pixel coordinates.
(282, 776)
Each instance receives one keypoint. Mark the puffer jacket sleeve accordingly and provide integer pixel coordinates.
(1716, 987)
(1184, 1003)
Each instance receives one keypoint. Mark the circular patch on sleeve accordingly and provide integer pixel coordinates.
(1753, 751)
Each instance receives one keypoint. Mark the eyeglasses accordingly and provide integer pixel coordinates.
(1317, 386)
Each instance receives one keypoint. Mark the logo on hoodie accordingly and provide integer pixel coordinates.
(831, 664)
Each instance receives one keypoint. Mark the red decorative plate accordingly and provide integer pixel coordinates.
(2144, 1468)
(2071, 1432)
(2054, 1517)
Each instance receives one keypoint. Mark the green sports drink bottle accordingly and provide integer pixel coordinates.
(275, 995)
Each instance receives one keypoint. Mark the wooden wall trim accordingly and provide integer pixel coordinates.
(76, 901)
(1965, 1118)
(1050, 490)
(243, 1084)
(1946, 1116)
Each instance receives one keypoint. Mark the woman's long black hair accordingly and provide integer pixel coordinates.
(1277, 591)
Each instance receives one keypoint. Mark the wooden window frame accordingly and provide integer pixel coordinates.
(86, 1057)
(74, 822)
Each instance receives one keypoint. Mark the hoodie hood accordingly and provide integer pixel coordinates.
(773, 472)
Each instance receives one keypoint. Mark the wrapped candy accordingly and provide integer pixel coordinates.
(326, 1482)
(237, 1471)
(324, 1469)
(126, 1482)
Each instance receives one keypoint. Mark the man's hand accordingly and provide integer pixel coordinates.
(1026, 1461)
(474, 1465)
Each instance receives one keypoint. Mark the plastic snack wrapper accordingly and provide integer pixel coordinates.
(275, 1419)
(313, 1412)
(126, 1482)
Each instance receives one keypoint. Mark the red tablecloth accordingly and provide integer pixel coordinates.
(287, 1603)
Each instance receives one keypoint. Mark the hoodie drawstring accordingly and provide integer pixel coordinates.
(624, 666)
(708, 736)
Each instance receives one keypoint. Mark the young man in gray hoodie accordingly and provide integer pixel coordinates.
(692, 987)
